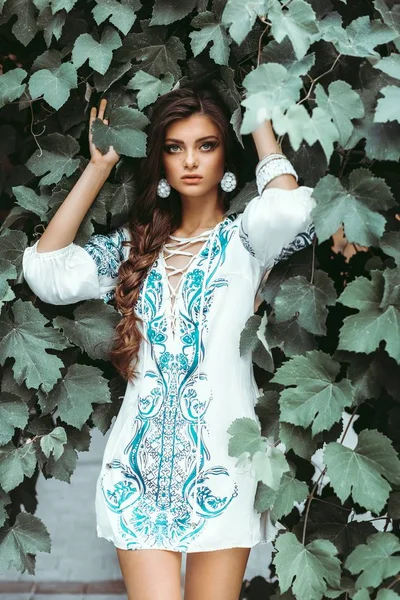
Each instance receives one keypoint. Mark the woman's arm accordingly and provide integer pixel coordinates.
(265, 142)
(63, 227)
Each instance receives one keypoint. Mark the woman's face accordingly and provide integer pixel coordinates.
(193, 146)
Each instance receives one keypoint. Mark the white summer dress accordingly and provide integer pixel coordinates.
(167, 481)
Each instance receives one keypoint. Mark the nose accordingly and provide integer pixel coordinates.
(190, 159)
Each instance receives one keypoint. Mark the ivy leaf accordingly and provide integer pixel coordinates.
(280, 501)
(53, 442)
(375, 560)
(166, 12)
(122, 14)
(298, 22)
(26, 339)
(56, 160)
(375, 322)
(390, 244)
(55, 85)
(149, 87)
(92, 328)
(360, 472)
(362, 35)
(390, 65)
(269, 466)
(25, 27)
(307, 301)
(388, 107)
(312, 567)
(27, 198)
(342, 104)
(210, 31)
(100, 53)
(20, 542)
(317, 399)
(13, 413)
(240, 16)
(74, 394)
(123, 132)
(354, 207)
(268, 86)
(11, 86)
(15, 463)
(156, 54)
(246, 437)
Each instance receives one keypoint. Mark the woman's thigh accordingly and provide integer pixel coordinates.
(217, 574)
(151, 574)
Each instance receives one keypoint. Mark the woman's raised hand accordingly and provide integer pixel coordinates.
(111, 157)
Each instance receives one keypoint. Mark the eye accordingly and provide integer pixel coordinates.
(210, 144)
(168, 147)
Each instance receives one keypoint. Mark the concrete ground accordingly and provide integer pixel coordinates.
(81, 565)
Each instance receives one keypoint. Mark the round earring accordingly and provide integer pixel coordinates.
(163, 188)
(228, 182)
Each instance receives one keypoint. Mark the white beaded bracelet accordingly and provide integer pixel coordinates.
(267, 158)
(273, 169)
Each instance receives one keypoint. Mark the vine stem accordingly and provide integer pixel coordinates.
(314, 81)
(311, 496)
(395, 580)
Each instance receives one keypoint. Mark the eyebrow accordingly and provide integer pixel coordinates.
(199, 140)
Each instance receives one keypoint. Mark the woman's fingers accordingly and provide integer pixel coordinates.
(102, 108)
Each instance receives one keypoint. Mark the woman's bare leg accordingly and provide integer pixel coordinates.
(151, 574)
(217, 574)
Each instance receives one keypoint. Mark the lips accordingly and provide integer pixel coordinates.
(192, 179)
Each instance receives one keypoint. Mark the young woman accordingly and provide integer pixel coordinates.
(184, 276)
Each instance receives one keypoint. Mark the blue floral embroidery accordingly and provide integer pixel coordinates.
(302, 240)
(245, 240)
(107, 252)
(155, 496)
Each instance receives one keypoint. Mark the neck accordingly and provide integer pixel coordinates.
(199, 214)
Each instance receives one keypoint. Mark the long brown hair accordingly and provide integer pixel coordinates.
(152, 218)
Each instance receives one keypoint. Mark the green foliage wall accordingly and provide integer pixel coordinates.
(326, 338)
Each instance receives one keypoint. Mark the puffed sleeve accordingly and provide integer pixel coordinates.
(277, 223)
(76, 273)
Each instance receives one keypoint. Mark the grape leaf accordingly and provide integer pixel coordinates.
(252, 339)
(27, 198)
(354, 207)
(294, 122)
(375, 560)
(306, 301)
(15, 463)
(298, 22)
(240, 16)
(387, 108)
(92, 328)
(322, 129)
(123, 132)
(269, 85)
(11, 86)
(67, 5)
(100, 53)
(166, 12)
(156, 54)
(122, 14)
(210, 31)
(342, 104)
(360, 472)
(51, 25)
(280, 501)
(55, 85)
(25, 27)
(26, 339)
(22, 540)
(13, 413)
(246, 437)
(54, 442)
(298, 439)
(63, 467)
(362, 35)
(317, 399)
(289, 336)
(269, 466)
(390, 65)
(390, 244)
(103, 414)
(149, 87)
(56, 159)
(12, 247)
(312, 567)
(74, 394)
(375, 322)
